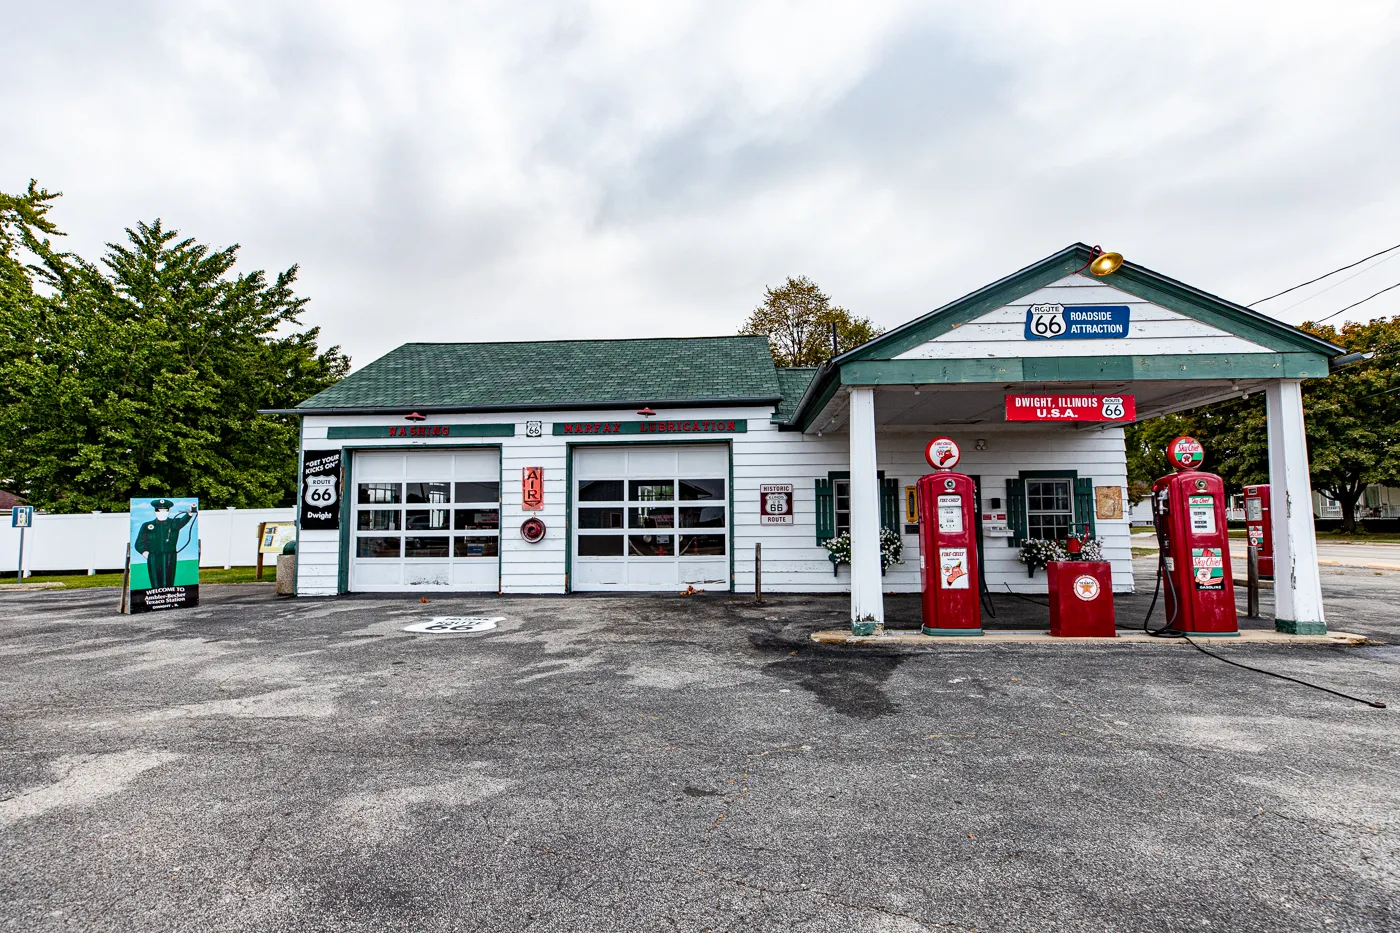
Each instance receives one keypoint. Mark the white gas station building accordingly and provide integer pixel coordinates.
(657, 464)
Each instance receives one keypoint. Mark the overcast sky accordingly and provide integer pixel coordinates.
(489, 171)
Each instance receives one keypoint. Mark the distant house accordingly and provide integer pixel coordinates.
(9, 500)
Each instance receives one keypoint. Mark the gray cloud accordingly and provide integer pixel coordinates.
(508, 170)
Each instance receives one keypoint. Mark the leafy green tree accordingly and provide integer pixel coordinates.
(1352, 419)
(797, 318)
(143, 374)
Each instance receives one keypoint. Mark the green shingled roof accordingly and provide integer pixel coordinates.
(558, 374)
(793, 382)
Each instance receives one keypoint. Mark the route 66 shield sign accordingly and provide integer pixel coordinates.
(320, 491)
(1045, 322)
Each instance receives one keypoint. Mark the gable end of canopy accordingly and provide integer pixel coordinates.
(1167, 330)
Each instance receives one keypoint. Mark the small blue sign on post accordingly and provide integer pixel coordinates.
(1077, 322)
(22, 516)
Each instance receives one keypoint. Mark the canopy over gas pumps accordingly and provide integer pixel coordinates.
(1117, 347)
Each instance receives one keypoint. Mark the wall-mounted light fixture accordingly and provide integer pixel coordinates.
(1101, 263)
(981, 444)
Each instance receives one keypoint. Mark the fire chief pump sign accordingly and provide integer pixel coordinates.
(1071, 408)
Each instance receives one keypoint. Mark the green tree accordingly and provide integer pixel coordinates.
(797, 318)
(1352, 420)
(144, 374)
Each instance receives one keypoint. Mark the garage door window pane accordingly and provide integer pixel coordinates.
(377, 547)
(478, 492)
(651, 518)
(425, 547)
(600, 518)
(426, 519)
(432, 493)
(711, 516)
(702, 545)
(653, 490)
(378, 520)
(600, 490)
(600, 545)
(474, 547)
(379, 493)
(477, 520)
(651, 545)
(694, 489)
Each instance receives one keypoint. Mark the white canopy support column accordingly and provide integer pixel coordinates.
(867, 598)
(1297, 582)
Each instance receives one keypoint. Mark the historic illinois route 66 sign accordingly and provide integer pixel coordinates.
(775, 503)
(1111, 407)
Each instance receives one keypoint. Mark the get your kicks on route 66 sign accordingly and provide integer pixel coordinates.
(320, 490)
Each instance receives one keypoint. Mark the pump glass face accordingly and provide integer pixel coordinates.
(1049, 509)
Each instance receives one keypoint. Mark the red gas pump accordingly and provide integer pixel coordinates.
(948, 545)
(1261, 534)
(1188, 508)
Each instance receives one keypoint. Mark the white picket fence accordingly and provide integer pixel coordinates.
(97, 541)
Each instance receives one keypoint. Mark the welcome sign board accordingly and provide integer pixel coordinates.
(1023, 407)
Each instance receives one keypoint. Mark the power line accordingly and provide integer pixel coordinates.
(1325, 275)
(1355, 303)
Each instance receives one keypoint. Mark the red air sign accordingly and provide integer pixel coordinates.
(1070, 408)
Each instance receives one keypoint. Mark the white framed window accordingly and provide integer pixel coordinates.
(1049, 508)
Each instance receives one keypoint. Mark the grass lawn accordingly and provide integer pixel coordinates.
(75, 581)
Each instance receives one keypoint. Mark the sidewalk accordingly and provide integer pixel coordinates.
(1329, 554)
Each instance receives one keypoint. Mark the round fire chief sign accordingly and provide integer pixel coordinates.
(942, 453)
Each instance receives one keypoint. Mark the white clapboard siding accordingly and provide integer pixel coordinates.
(318, 562)
(1152, 330)
(792, 560)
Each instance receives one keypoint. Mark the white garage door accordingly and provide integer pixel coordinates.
(650, 518)
(426, 520)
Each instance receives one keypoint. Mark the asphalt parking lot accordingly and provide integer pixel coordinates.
(667, 763)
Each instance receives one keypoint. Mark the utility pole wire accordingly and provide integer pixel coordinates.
(1355, 303)
(1325, 275)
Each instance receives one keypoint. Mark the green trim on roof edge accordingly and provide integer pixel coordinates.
(1086, 369)
(1135, 280)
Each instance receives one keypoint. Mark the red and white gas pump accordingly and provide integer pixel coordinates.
(1261, 534)
(952, 599)
(1188, 508)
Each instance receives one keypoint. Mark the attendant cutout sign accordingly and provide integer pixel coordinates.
(164, 554)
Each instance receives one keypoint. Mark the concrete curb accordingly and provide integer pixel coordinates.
(919, 640)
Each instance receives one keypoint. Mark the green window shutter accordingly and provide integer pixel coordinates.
(1016, 511)
(889, 504)
(826, 512)
(1084, 504)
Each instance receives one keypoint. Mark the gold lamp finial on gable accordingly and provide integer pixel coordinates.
(1105, 263)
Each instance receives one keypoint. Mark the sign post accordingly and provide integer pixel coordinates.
(21, 517)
